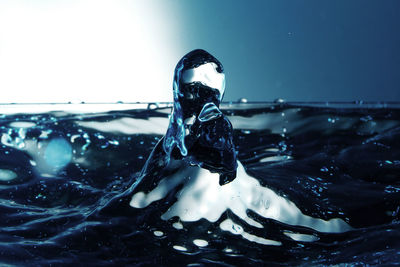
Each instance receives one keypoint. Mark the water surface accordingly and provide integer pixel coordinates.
(63, 171)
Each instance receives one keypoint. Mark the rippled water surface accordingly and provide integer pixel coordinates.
(64, 176)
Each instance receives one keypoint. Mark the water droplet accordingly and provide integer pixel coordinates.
(152, 106)
(242, 100)
(279, 101)
(282, 145)
(114, 142)
(324, 169)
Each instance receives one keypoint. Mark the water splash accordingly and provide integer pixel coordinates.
(198, 149)
(196, 123)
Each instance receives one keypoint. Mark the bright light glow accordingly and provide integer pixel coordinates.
(92, 51)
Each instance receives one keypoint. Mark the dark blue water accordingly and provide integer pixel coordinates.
(64, 176)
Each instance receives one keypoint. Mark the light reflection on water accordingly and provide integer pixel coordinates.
(57, 166)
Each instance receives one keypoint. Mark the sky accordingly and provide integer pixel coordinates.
(107, 51)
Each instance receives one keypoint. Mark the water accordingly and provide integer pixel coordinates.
(64, 178)
(198, 132)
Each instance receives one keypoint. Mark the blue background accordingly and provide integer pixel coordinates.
(311, 50)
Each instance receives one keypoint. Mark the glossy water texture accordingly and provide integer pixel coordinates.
(198, 132)
(66, 180)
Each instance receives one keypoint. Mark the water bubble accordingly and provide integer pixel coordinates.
(242, 100)
(279, 101)
(324, 169)
(99, 136)
(152, 106)
(87, 140)
(40, 196)
(282, 145)
(114, 142)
